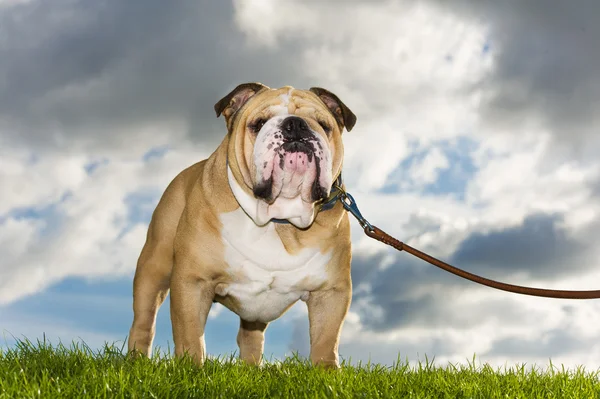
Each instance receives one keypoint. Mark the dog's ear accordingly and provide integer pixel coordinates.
(340, 111)
(233, 101)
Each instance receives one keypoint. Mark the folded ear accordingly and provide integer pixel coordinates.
(233, 101)
(342, 114)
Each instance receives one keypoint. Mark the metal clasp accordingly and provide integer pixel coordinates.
(350, 205)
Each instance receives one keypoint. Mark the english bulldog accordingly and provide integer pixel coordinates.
(248, 228)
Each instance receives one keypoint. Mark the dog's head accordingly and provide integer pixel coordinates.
(285, 149)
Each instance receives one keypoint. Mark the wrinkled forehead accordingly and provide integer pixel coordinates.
(287, 101)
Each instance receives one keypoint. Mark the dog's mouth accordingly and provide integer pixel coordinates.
(300, 146)
(294, 170)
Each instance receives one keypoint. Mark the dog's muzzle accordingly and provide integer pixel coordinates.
(291, 160)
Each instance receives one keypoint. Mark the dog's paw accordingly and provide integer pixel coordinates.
(136, 354)
(327, 364)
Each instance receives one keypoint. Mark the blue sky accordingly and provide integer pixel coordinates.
(104, 307)
(450, 179)
(475, 142)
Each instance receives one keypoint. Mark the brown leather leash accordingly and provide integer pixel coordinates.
(380, 235)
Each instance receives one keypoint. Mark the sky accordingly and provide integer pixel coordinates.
(477, 142)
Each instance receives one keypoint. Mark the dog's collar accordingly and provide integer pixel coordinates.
(322, 205)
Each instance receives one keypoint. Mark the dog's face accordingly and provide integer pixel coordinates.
(285, 148)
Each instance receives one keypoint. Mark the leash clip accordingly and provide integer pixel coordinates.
(350, 205)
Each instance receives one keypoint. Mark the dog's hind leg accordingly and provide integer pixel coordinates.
(251, 341)
(153, 272)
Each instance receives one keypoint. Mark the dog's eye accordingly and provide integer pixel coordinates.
(258, 124)
(325, 126)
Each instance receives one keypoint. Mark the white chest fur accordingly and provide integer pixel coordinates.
(266, 279)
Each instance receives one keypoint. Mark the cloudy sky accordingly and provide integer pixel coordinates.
(477, 141)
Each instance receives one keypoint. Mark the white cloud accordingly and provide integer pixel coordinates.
(389, 61)
(515, 182)
(551, 329)
(427, 170)
(28, 181)
(86, 241)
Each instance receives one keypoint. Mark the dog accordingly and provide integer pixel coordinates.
(247, 228)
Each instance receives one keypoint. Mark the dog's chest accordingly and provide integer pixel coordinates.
(264, 278)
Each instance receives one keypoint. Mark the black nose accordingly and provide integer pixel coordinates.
(294, 128)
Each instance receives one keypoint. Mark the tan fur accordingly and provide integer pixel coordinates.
(183, 252)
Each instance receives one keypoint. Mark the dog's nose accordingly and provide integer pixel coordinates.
(294, 128)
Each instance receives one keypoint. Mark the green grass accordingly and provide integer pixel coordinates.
(42, 370)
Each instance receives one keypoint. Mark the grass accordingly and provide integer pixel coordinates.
(45, 371)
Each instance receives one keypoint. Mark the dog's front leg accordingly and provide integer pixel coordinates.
(326, 312)
(191, 300)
